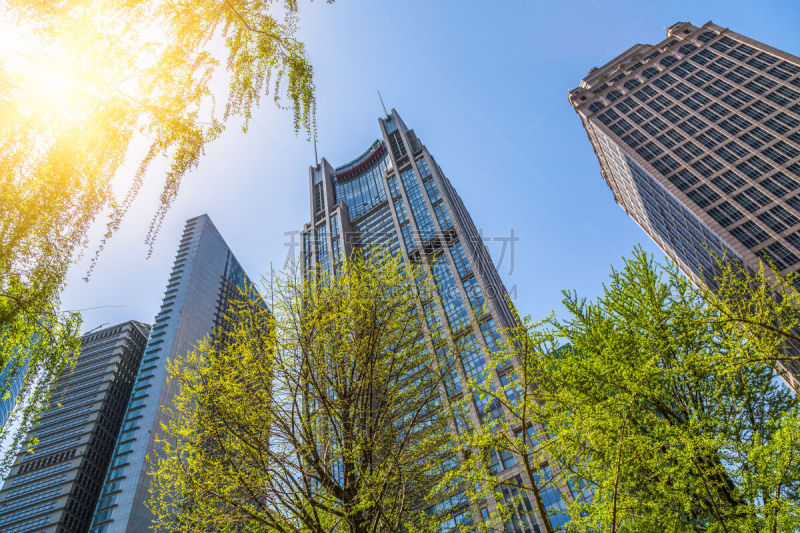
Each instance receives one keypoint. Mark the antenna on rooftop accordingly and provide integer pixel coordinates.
(316, 159)
(382, 104)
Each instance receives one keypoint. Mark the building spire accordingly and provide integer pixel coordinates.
(382, 104)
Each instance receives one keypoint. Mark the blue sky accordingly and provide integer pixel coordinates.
(484, 85)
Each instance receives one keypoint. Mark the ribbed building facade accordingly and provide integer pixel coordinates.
(205, 277)
(55, 489)
(698, 138)
(394, 195)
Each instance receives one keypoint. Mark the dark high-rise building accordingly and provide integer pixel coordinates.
(204, 278)
(698, 138)
(55, 488)
(394, 195)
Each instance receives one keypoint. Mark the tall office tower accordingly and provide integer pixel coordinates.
(698, 139)
(395, 195)
(204, 279)
(55, 488)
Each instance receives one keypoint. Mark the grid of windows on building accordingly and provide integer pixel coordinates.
(394, 195)
(698, 138)
(205, 277)
(55, 488)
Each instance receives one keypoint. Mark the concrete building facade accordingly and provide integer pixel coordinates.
(698, 138)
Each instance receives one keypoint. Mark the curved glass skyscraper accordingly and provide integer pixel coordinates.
(394, 195)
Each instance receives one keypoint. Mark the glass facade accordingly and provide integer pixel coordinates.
(55, 488)
(698, 138)
(11, 377)
(395, 195)
(204, 276)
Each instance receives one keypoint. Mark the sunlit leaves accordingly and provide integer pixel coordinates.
(81, 82)
(322, 414)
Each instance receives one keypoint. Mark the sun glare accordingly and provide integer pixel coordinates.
(44, 78)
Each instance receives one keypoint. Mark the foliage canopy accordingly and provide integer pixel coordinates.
(653, 408)
(322, 414)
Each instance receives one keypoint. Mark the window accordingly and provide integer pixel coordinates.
(649, 151)
(788, 120)
(671, 116)
(728, 182)
(737, 55)
(713, 91)
(790, 67)
(776, 126)
(751, 198)
(683, 154)
(720, 46)
(702, 169)
(766, 82)
(679, 91)
(775, 189)
(687, 128)
(645, 93)
(794, 203)
(726, 154)
(763, 56)
(655, 106)
(670, 163)
(460, 259)
(785, 181)
(668, 60)
(650, 129)
(781, 255)
(630, 84)
(734, 77)
(696, 101)
(649, 72)
(775, 155)
(594, 107)
(773, 223)
(623, 107)
(696, 122)
(753, 113)
(794, 239)
(709, 115)
(750, 234)
(705, 37)
(778, 99)
(687, 48)
(684, 69)
(613, 95)
(703, 195)
(784, 216)
(787, 149)
(749, 170)
(791, 94)
(728, 126)
(683, 179)
(725, 214)
(755, 87)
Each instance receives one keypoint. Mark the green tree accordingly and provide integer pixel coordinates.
(81, 82)
(656, 411)
(322, 415)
